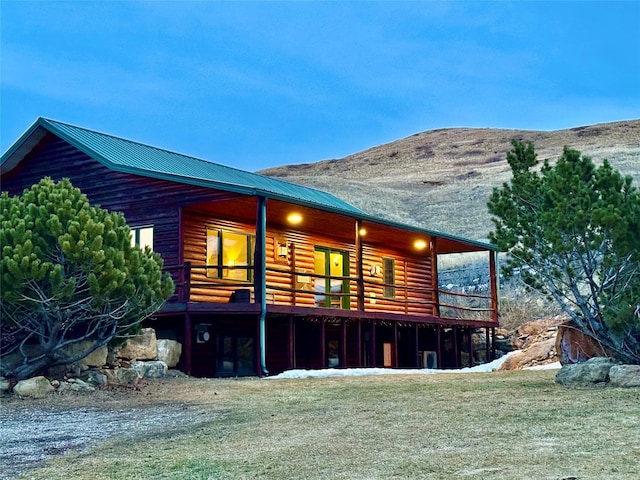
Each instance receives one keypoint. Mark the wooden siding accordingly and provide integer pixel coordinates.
(287, 282)
(143, 200)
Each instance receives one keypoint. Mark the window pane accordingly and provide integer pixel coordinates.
(142, 237)
(146, 238)
(213, 253)
(388, 266)
(235, 253)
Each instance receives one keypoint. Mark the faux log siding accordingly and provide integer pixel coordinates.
(143, 200)
(195, 225)
(412, 272)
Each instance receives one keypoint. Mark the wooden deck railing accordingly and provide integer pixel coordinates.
(407, 299)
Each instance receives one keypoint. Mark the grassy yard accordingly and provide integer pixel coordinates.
(512, 425)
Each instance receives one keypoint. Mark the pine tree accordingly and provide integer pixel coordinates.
(572, 231)
(69, 274)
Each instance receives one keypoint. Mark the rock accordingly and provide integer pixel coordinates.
(97, 358)
(173, 373)
(573, 346)
(121, 376)
(593, 371)
(540, 353)
(153, 369)
(535, 331)
(169, 352)
(625, 375)
(36, 387)
(94, 378)
(75, 385)
(140, 347)
(5, 385)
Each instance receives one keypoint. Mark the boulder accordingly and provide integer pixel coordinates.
(75, 385)
(535, 331)
(5, 385)
(153, 369)
(94, 378)
(593, 371)
(121, 376)
(573, 346)
(169, 352)
(625, 375)
(140, 347)
(540, 353)
(36, 387)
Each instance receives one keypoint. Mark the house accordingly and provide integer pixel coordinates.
(270, 275)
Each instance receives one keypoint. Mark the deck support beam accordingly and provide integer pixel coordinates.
(260, 280)
(372, 339)
(394, 360)
(359, 267)
(343, 344)
(187, 343)
(291, 351)
(323, 344)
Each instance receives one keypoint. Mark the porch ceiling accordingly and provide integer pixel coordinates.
(335, 226)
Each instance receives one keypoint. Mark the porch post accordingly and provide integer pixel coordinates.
(487, 345)
(470, 347)
(434, 276)
(493, 280)
(323, 348)
(359, 267)
(343, 344)
(416, 345)
(187, 343)
(373, 343)
(439, 345)
(493, 343)
(359, 343)
(260, 279)
(291, 344)
(395, 345)
(456, 347)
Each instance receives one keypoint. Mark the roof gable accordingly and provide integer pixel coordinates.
(136, 158)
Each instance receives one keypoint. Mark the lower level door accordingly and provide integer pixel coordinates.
(235, 356)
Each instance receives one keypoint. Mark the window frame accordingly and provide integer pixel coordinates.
(217, 270)
(136, 236)
(389, 277)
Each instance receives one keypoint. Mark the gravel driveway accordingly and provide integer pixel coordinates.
(32, 433)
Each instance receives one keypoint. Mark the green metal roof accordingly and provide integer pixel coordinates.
(136, 158)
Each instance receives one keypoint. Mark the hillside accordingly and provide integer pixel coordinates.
(441, 179)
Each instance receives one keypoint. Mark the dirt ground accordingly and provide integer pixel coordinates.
(32, 431)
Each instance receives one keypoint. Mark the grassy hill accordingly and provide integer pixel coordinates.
(441, 179)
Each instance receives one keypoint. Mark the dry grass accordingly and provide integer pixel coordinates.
(485, 426)
(427, 178)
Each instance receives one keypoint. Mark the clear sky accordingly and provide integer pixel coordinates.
(255, 85)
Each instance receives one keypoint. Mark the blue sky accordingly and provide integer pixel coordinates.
(255, 85)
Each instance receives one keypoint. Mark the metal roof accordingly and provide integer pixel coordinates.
(136, 158)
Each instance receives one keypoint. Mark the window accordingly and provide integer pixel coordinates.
(229, 254)
(388, 267)
(142, 237)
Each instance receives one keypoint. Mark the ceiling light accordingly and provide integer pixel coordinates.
(294, 218)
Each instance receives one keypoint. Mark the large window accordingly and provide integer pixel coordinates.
(142, 237)
(388, 268)
(229, 255)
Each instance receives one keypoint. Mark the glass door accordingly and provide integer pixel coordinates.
(332, 264)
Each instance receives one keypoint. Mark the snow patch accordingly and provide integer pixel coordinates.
(357, 372)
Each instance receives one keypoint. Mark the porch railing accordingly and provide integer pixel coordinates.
(194, 283)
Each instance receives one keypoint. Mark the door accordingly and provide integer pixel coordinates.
(332, 265)
(235, 356)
